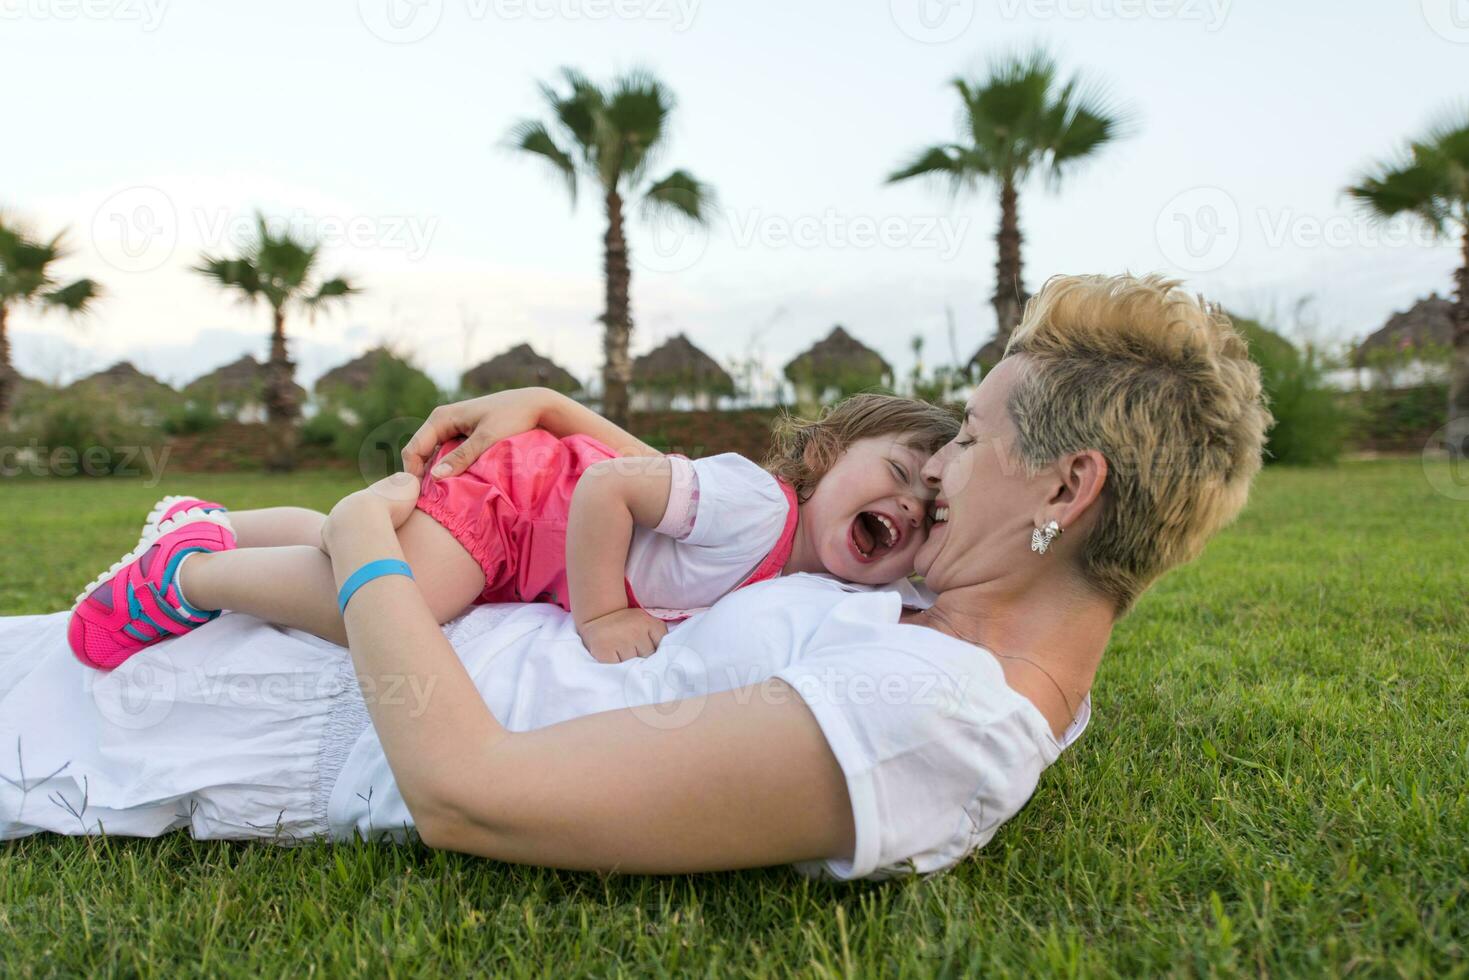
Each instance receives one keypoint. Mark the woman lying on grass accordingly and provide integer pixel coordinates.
(800, 720)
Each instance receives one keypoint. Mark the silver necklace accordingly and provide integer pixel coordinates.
(934, 611)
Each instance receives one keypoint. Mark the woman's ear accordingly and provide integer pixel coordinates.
(1080, 480)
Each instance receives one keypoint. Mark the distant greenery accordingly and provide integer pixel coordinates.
(78, 433)
(1272, 785)
(371, 424)
(1309, 425)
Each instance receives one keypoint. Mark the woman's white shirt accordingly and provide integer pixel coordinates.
(936, 749)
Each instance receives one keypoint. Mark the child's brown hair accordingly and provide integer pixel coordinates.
(803, 450)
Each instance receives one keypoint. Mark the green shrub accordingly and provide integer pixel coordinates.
(1397, 417)
(1309, 425)
(77, 434)
(190, 417)
(372, 424)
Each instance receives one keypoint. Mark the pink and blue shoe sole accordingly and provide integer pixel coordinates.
(137, 601)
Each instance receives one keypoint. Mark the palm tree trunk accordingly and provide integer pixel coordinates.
(1459, 372)
(7, 377)
(617, 371)
(1010, 295)
(281, 406)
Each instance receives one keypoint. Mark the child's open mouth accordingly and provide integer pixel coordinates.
(874, 534)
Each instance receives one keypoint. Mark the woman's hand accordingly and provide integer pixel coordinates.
(484, 420)
(394, 496)
(488, 419)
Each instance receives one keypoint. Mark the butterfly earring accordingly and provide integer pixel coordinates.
(1041, 538)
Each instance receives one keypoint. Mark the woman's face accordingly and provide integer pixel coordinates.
(987, 502)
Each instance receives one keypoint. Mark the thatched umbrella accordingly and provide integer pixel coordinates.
(988, 355)
(838, 362)
(518, 367)
(678, 368)
(358, 373)
(1427, 323)
(236, 389)
(128, 391)
(124, 381)
(22, 389)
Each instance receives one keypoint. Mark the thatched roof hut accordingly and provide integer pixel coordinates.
(988, 355)
(677, 367)
(518, 367)
(839, 361)
(22, 388)
(359, 372)
(123, 381)
(238, 383)
(1427, 323)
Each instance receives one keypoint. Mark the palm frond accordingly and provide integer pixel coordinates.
(630, 127)
(1407, 186)
(74, 297)
(959, 167)
(331, 291)
(682, 193)
(239, 274)
(577, 110)
(532, 137)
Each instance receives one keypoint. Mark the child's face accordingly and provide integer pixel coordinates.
(868, 515)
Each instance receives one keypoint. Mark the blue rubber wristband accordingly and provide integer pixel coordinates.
(365, 574)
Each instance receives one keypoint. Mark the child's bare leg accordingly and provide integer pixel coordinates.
(274, 527)
(294, 585)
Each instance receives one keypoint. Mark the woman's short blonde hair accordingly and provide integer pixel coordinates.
(1161, 383)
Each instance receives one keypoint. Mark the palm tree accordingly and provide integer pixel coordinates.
(611, 136)
(1021, 119)
(26, 279)
(280, 270)
(1430, 182)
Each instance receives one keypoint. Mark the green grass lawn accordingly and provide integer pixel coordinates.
(1274, 783)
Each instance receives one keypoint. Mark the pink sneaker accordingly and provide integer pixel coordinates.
(136, 602)
(170, 507)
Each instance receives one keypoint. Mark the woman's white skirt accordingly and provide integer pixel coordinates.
(215, 731)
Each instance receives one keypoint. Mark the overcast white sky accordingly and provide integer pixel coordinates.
(154, 128)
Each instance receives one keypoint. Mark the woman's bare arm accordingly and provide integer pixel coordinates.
(490, 418)
(738, 779)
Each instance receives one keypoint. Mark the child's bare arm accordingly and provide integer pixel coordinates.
(612, 498)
